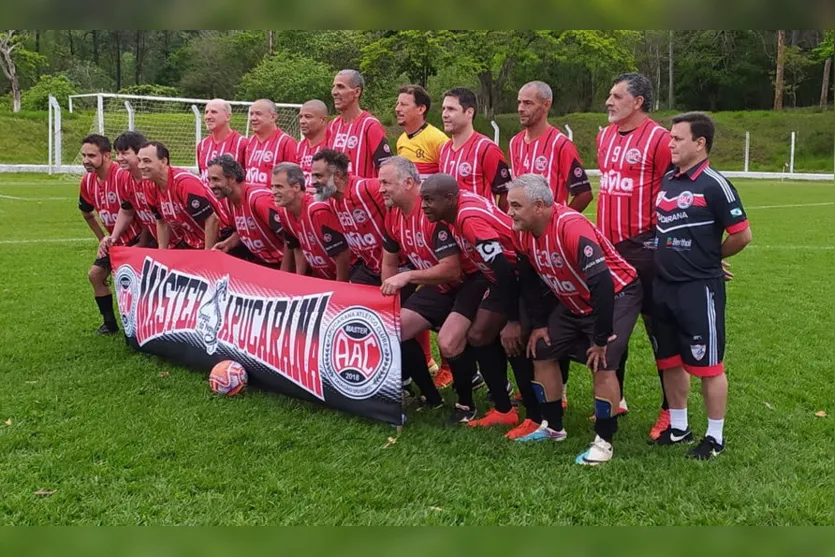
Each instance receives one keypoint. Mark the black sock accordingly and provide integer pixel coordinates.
(621, 371)
(523, 370)
(414, 366)
(105, 304)
(606, 428)
(462, 367)
(565, 364)
(664, 404)
(493, 364)
(552, 413)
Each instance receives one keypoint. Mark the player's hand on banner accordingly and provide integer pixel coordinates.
(596, 356)
(536, 336)
(392, 285)
(221, 246)
(511, 336)
(104, 246)
(726, 270)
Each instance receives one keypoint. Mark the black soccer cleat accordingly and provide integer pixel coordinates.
(461, 415)
(672, 436)
(706, 449)
(107, 329)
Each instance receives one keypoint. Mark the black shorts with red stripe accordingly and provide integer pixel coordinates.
(689, 325)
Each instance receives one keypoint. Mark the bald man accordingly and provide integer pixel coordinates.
(313, 122)
(222, 139)
(355, 132)
(268, 145)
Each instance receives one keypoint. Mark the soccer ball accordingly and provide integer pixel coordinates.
(228, 378)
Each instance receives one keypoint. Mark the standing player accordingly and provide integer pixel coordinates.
(252, 213)
(542, 149)
(470, 157)
(181, 201)
(696, 206)
(99, 193)
(420, 141)
(451, 288)
(268, 145)
(136, 195)
(221, 139)
(310, 227)
(633, 154)
(484, 234)
(600, 298)
(313, 123)
(355, 132)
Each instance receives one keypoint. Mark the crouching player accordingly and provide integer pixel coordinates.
(600, 299)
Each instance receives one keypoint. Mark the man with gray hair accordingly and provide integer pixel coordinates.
(257, 233)
(222, 139)
(268, 145)
(633, 154)
(600, 298)
(540, 148)
(355, 132)
(313, 237)
(451, 287)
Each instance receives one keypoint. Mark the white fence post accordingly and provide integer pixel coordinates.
(570, 132)
(57, 134)
(791, 156)
(131, 122)
(747, 148)
(49, 139)
(100, 113)
(198, 130)
(495, 131)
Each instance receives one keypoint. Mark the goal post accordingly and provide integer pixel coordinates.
(175, 121)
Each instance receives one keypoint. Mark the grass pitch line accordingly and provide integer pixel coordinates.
(47, 241)
(16, 198)
(792, 205)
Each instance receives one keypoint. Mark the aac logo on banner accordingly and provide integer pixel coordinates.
(127, 295)
(356, 353)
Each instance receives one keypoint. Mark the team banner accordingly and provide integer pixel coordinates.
(323, 341)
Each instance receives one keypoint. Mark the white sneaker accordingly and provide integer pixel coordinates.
(599, 451)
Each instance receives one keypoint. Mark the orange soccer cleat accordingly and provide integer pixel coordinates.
(494, 418)
(527, 427)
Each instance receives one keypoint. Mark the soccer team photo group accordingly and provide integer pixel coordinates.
(545, 308)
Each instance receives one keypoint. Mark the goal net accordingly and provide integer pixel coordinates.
(176, 122)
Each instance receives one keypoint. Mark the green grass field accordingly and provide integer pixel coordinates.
(94, 433)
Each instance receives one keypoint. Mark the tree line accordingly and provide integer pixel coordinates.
(691, 70)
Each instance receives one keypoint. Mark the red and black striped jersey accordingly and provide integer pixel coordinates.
(257, 223)
(479, 166)
(103, 198)
(316, 231)
(632, 165)
(262, 156)
(569, 252)
(363, 139)
(553, 156)
(482, 231)
(361, 213)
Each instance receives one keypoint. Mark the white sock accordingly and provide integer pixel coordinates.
(678, 418)
(714, 429)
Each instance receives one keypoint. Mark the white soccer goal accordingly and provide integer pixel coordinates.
(177, 122)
